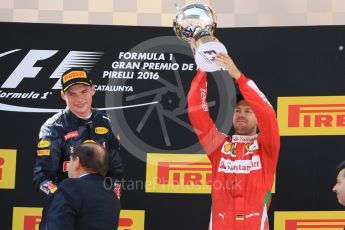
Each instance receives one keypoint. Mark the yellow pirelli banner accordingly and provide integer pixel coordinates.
(321, 115)
(178, 173)
(26, 218)
(309, 220)
(132, 220)
(8, 168)
(29, 218)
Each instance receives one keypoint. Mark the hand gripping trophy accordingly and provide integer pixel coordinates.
(198, 22)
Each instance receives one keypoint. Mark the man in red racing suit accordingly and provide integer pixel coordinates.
(243, 166)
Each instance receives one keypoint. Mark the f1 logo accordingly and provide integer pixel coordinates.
(28, 68)
(211, 54)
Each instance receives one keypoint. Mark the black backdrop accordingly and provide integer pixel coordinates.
(284, 61)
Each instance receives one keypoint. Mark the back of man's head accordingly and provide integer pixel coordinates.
(92, 157)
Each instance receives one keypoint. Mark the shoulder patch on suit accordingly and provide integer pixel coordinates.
(43, 152)
(43, 144)
(101, 130)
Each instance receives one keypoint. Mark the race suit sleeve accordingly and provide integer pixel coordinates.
(268, 138)
(48, 156)
(116, 167)
(65, 206)
(209, 136)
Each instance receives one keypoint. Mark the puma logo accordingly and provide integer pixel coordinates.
(221, 215)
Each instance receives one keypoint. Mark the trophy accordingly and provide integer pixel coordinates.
(198, 22)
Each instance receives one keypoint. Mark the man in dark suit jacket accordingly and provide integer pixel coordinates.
(84, 200)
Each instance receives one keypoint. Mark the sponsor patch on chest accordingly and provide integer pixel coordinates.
(239, 166)
(228, 148)
(71, 135)
(250, 148)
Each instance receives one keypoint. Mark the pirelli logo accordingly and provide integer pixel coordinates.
(178, 173)
(316, 220)
(132, 220)
(25, 218)
(299, 116)
(29, 218)
(8, 158)
(73, 75)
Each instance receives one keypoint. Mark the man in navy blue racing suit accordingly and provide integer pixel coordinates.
(64, 131)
